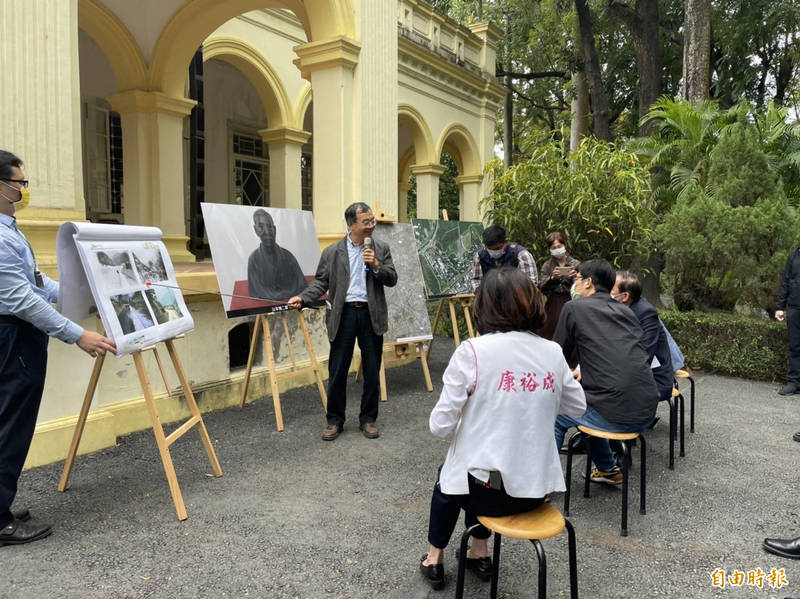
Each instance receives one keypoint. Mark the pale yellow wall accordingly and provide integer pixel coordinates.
(97, 77)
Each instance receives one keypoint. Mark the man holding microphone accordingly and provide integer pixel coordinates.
(27, 320)
(354, 272)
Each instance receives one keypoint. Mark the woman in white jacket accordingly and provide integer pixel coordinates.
(502, 393)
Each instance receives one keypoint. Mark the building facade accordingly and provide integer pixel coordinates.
(136, 112)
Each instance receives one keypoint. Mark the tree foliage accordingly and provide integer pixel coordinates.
(597, 195)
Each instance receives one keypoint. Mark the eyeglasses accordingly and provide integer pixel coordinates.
(23, 182)
(368, 223)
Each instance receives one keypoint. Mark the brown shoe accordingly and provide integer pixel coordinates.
(330, 432)
(370, 430)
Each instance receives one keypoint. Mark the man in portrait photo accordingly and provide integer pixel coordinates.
(272, 271)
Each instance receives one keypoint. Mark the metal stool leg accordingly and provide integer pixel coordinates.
(672, 426)
(570, 447)
(691, 405)
(643, 474)
(683, 424)
(573, 561)
(496, 565)
(542, 569)
(462, 560)
(625, 464)
(588, 465)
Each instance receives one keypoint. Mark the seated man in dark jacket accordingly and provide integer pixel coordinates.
(628, 290)
(614, 368)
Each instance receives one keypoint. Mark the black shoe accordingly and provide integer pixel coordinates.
(24, 515)
(18, 533)
(796, 437)
(481, 566)
(433, 574)
(790, 389)
(579, 449)
(784, 547)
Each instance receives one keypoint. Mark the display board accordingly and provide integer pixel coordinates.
(408, 313)
(446, 249)
(262, 256)
(125, 275)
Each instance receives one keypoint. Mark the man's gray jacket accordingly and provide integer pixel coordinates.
(333, 276)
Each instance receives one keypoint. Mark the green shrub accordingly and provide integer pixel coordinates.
(598, 195)
(729, 344)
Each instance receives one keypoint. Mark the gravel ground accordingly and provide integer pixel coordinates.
(294, 516)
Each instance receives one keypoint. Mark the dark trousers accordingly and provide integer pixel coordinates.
(793, 326)
(481, 501)
(23, 362)
(354, 325)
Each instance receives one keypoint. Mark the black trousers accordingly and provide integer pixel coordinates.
(793, 326)
(23, 363)
(481, 501)
(354, 325)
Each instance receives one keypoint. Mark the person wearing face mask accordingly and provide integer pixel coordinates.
(27, 320)
(558, 272)
(628, 290)
(354, 272)
(497, 252)
(614, 368)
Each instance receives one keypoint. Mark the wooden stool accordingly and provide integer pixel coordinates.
(542, 523)
(684, 373)
(625, 439)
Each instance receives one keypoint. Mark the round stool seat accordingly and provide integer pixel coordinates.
(675, 392)
(543, 522)
(607, 434)
(683, 374)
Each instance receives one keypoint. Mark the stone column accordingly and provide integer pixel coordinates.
(428, 189)
(471, 192)
(152, 149)
(403, 187)
(40, 119)
(329, 65)
(285, 150)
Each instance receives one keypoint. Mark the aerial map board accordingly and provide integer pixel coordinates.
(408, 314)
(446, 249)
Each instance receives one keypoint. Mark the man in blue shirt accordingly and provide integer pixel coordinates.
(27, 320)
(354, 272)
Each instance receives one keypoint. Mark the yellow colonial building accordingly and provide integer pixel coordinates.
(136, 112)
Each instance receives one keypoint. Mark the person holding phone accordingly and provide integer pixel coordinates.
(558, 273)
(501, 407)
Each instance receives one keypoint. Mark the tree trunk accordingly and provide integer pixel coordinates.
(597, 93)
(508, 105)
(579, 126)
(697, 50)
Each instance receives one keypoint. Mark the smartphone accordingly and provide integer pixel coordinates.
(563, 271)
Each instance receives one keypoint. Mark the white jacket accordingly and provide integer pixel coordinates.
(502, 393)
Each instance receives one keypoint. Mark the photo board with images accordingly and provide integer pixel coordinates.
(125, 275)
(446, 250)
(262, 256)
(408, 312)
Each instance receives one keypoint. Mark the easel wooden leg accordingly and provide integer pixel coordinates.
(273, 377)
(161, 441)
(195, 411)
(424, 361)
(468, 317)
(313, 357)
(253, 343)
(454, 320)
(382, 375)
(435, 324)
(76, 436)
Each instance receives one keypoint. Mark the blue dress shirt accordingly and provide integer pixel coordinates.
(357, 291)
(19, 295)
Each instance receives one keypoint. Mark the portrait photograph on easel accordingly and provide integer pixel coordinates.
(262, 256)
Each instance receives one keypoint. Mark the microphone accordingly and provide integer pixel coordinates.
(367, 246)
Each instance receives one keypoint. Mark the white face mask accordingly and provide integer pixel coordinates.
(495, 254)
(558, 252)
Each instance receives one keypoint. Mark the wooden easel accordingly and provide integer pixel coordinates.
(163, 441)
(403, 350)
(465, 303)
(262, 324)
